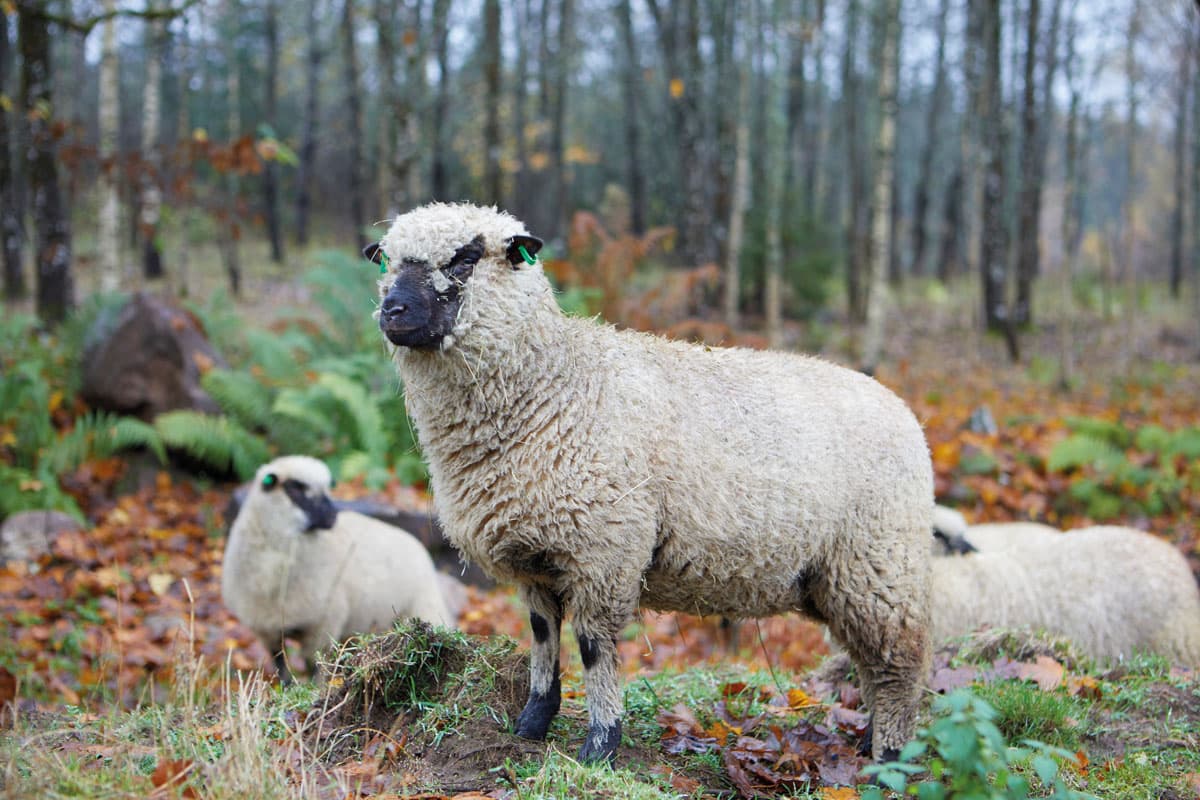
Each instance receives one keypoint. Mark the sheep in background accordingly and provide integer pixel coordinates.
(1112, 591)
(952, 534)
(603, 469)
(294, 566)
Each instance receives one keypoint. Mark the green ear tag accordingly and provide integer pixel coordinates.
(525, 255)
(269, 480)
(383, 263)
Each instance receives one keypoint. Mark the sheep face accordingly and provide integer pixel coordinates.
(293, 488)
(433, 259)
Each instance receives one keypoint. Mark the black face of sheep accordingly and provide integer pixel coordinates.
(316, 505)
(422, 304)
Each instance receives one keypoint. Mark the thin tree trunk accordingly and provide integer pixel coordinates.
(815, 190)
(631, 79)
(884, 178)
(493, 187)
(895, 268)
(558, 126)
(11, 233)
(520, 202)
(1183, 93)
(993, 249)
(1028, 203)
(438, 181)
(270, 114)
(55, 290)
(741, 196)
(1132, 76)
(855, 170)
(151, 193)
(410, 146)
(774, 190)
(389, 105)
(937, 103)
(229, 242)
(355, 182)
(1071, 220)
(970, 141)
(1196, 182)
(108, 236)
(308, 140)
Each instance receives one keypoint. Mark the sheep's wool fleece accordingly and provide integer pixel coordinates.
(358, 576)
(1113, 591)
(620, 468)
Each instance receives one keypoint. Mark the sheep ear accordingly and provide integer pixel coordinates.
(522, 249)
(373, 253)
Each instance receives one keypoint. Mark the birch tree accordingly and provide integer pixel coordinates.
(108, 241)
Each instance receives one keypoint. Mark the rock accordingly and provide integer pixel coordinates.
(148, 360)
(982, 421)
(27, 535)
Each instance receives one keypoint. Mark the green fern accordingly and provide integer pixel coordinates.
(1081, 450)
(241, 396)
(23, 490)
(1114, 433)
(99, 434)
(215, 441)
(361, 411)
(274, 355)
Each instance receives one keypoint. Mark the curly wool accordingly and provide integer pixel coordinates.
(1113, 591)
(613, 469)
(321, 586)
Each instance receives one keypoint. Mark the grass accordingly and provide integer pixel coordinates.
(1026, 712)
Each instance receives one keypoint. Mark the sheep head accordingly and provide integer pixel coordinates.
(437, 259)
(293, 490)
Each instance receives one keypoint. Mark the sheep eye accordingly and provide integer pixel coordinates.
(269, 480)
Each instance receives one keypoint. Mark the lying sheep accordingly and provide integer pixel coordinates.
(603, 469)
(1113, 591)
(294, 566)
(952, 534)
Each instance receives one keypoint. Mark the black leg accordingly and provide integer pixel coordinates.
(602, 681)
(545, 688)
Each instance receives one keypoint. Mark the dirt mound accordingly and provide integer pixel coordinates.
(444, 699)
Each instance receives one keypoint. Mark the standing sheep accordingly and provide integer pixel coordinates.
(602, 470)
(295, 566)
(1112, 591)
(952, 534)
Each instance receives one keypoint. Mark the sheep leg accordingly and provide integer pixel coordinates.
(883, 624)
(281, 664)
(545, 689)
(602, 683)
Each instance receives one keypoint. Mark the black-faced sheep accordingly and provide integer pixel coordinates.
(296, 567)
(602, 469)
(1112, 591)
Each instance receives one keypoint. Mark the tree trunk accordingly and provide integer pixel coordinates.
(229, 242)
(1196, 184)
(438, 179)
(523, 12)
(993, 248)
(1072, 222)
(558, 126)
(814, 188)
(856, 211)
(389, 105)
(355, 182)
(11, 232)
(270, 117)
(741, 196)
(1132, 77)
(895, 267)
(774, 191)
(493, 186)
(1029, 197)
(631, 79)
(970, 144)
(888, 69)
(55, 290)
(108, 236)
(308, 139)
(937, 103)
(151, 193)
(1182, 94)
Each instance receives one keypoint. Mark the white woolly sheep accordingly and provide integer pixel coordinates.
(952, 534)
(602, 469)
(1113, 591)
(294, 566)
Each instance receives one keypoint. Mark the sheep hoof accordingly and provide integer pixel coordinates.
(535, 718)
(601, 744)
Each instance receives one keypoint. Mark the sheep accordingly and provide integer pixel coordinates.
(295, 566)
(1113, 591)
(952, 534)
(601, 470)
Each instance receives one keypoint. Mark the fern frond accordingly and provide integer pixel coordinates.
(1114, 433)
(99, 434)
(240, 396)
(1081, 450)
(361, 410)
(216, 441)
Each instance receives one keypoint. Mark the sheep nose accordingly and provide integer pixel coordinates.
(393, 309)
